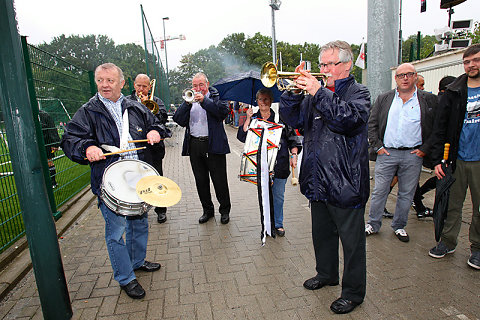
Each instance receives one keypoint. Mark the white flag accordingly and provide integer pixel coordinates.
(361, 57)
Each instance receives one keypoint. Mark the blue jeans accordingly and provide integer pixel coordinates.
(125, 256)
(278, 191)
(236, 116)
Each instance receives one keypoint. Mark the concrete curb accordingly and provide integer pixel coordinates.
(15, 262)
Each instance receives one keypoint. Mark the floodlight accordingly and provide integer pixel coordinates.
(442, 33)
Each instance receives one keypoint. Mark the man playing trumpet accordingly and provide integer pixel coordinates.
(207, 145)
(155, 153)
(335, 172)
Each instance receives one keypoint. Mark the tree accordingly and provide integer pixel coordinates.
(475, 34)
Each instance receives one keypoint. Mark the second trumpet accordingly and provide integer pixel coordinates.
(188, 95)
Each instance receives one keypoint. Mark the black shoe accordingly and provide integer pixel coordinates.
(225, 218)
(474, 260)
(149, 266)
(316, 283)
(205, 218)
(134, 290)
(280, 232)
(342, 305)
(387, 214)
(161, 214)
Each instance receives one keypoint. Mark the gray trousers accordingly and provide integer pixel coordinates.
(407, 166)
(467, 175)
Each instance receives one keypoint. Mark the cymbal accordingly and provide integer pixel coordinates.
(158, 191)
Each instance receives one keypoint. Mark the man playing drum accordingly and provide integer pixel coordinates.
(108, 118)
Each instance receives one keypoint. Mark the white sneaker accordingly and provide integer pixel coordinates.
(369, 229)
(402, 235)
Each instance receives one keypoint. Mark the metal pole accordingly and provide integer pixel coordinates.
(382, 45)
(165, 44)
(30, 182)
(274, 41)
(400, 35)
(144, 38)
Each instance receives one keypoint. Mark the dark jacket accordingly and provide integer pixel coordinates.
(335, 148)
(217, 111)
(379, 115)
(288, 141)
(156, 151)
(92, 125)
(449, 119)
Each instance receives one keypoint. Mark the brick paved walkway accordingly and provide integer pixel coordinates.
(215, 271)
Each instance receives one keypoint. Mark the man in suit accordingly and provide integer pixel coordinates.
(156, 152)
(398, 129)
(207, 145)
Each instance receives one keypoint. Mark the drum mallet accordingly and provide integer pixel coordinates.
(294, 180)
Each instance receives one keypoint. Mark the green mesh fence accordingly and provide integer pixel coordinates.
(61, 88)
(154, 66)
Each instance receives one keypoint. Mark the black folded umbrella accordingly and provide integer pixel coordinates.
(442, 194)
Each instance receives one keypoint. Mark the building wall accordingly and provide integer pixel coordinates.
(435, 68)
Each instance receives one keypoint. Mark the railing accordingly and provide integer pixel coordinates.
(60, 89)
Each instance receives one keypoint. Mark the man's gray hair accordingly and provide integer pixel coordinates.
(345, 53)
(110, 65)
(200, 75)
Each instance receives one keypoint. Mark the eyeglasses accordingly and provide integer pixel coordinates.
(329, 64)
(474, 60)
(407, 75)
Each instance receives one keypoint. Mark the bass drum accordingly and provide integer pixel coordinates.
(119, 186)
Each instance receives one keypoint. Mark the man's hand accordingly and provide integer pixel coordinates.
(439, 171)
(419, 153)
(383, 151)
(306, 81)
(94, 153)
(198, 97)
(153, 137)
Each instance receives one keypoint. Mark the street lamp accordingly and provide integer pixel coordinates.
(275, 4)
(165, 44)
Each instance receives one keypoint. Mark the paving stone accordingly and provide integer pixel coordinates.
(215, 271)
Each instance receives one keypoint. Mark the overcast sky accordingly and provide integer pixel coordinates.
(206, 23)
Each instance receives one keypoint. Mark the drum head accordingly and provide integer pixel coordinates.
(121, 177)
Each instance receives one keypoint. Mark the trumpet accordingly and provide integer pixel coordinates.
(149, 103)
(188, 95)
(269, 75)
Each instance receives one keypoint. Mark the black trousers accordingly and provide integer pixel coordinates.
(330, 223)
(157, 159)
(205, 166)
(430, 184)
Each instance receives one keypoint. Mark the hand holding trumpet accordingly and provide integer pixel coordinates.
(306, 81)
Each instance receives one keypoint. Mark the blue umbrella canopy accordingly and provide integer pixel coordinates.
(243, 87)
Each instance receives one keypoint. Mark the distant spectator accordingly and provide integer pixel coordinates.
(431, 183)
(51, 140)
(420, 82)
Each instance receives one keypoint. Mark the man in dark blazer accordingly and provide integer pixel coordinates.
(207, 145)
(398, 130)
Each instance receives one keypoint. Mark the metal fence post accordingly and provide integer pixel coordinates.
(93, 86)
(37, 215)
(43, 156)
